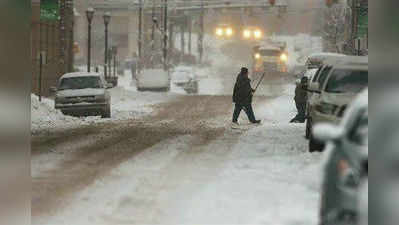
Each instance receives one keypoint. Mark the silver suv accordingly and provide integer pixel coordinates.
(83, 94)
(344, 82)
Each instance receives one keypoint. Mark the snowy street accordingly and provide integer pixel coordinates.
(172, 158)
(179, 164)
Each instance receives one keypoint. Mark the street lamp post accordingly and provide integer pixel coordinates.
(107, 19)
(114, 53)
(89, 14)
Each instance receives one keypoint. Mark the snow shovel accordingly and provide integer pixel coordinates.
(260, 81)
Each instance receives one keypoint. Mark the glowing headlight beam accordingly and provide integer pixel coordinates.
(284, 57)
(257, 56)
(219, 32)
(258, 34)
(229, 31)
(247, 33)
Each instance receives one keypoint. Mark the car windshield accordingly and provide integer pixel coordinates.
(323, 75)
(269, 52)
(80, 83)
(347, 81)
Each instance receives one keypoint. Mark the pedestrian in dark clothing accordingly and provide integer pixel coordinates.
(242, 97)
(300, 100)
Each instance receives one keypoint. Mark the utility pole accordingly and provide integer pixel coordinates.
(71, 16)
(182, 38)
(62, 36)
(89, 14)
(153, 26)
(201, 35)
(107, 18)
(190, 24)
(140, 29)
(165, 37)
(354, 23)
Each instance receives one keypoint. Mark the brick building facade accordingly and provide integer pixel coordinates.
(46, 41)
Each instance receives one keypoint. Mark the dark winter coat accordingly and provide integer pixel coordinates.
(242, 90)
(301, 94)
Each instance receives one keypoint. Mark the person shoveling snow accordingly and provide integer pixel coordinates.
(242, 97)
(300, 100)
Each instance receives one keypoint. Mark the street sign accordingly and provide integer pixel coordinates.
(362, 28)
(49, 10)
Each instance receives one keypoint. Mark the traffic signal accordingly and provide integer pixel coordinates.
(272, 2)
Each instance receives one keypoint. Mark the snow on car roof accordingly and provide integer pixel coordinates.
(183, 68)
(81, 74)
(353, 62)
(270, 48)
(324, 54)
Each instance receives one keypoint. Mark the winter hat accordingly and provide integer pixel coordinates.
(244, 70)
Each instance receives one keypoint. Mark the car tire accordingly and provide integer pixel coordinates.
(315, 146)
(107, 113)
(308, 128)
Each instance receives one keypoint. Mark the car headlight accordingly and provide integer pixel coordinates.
(247, 33)
(219, 32)
(59, 100)
(284, 57)
(258, 34)
(229, 31)
(99, 98)
(257, 56)
(326, 108)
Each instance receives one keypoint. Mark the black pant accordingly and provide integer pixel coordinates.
(301, 107)
(248, 110)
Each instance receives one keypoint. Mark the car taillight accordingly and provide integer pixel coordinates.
(346, 174)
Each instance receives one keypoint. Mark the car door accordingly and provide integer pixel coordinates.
(315, 96)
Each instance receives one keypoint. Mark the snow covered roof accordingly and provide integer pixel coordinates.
(81, 74)
(269, 47)
(324, 54)
(355, 62)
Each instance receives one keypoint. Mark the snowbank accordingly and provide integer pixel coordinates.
(126, 103)
(44, 116)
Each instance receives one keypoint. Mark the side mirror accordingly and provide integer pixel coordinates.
(109, 85)
(327, 132)
(53, 90)
(314, 86)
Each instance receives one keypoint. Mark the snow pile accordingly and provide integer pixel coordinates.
(44, 116)
(126, 103)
